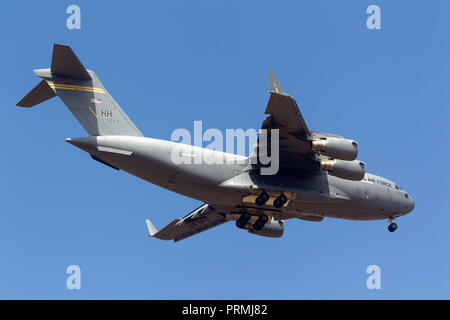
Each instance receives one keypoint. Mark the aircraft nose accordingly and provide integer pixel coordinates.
(411, 204)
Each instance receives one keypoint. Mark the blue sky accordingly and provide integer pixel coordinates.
(170, 63)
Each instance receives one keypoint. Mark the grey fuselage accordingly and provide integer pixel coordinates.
(226, 184)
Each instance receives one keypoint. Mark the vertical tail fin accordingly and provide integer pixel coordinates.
(82, 93)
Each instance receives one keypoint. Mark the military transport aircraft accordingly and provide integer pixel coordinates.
(318, 174)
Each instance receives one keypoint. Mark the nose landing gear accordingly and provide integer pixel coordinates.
(392, 227)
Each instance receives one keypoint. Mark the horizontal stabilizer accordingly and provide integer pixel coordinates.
(65, 63)
(40, 93)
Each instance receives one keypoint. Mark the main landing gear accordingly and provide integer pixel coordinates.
(277, 203)
(280, 201)
(243, 220)
(262, 198)
(257, 225)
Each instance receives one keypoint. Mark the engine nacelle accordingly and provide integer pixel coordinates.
(350, 170)
(337, 148)
(274, 229)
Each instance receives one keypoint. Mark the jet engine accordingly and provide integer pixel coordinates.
(350, 170)
(274, 229)
(337, 148)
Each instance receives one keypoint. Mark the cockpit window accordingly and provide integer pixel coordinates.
(398, 187)
(406, 196)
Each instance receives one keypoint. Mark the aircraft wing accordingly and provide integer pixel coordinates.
(203, 218)
(294, 136)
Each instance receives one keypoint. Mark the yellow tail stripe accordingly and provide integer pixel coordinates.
(93, 112)
(76, 88)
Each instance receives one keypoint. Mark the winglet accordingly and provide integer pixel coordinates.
(165, 233)
(275, 86)
(151, 228)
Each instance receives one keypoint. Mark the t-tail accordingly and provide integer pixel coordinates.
(82, 93)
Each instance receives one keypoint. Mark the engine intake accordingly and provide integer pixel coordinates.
(274, 229)
(337, 148)
(350, 170)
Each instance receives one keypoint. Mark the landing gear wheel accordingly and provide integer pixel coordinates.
(263, 218)
(246, 216)
(259, 224)
(262, 199)
(277, 203)
(280, 201)
(243, 220)
(392, 227)
(240, 224)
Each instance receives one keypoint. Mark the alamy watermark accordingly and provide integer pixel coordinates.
(263, 147)
(374, 20)
(73, 282)
(74, 20)
(374, 280)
